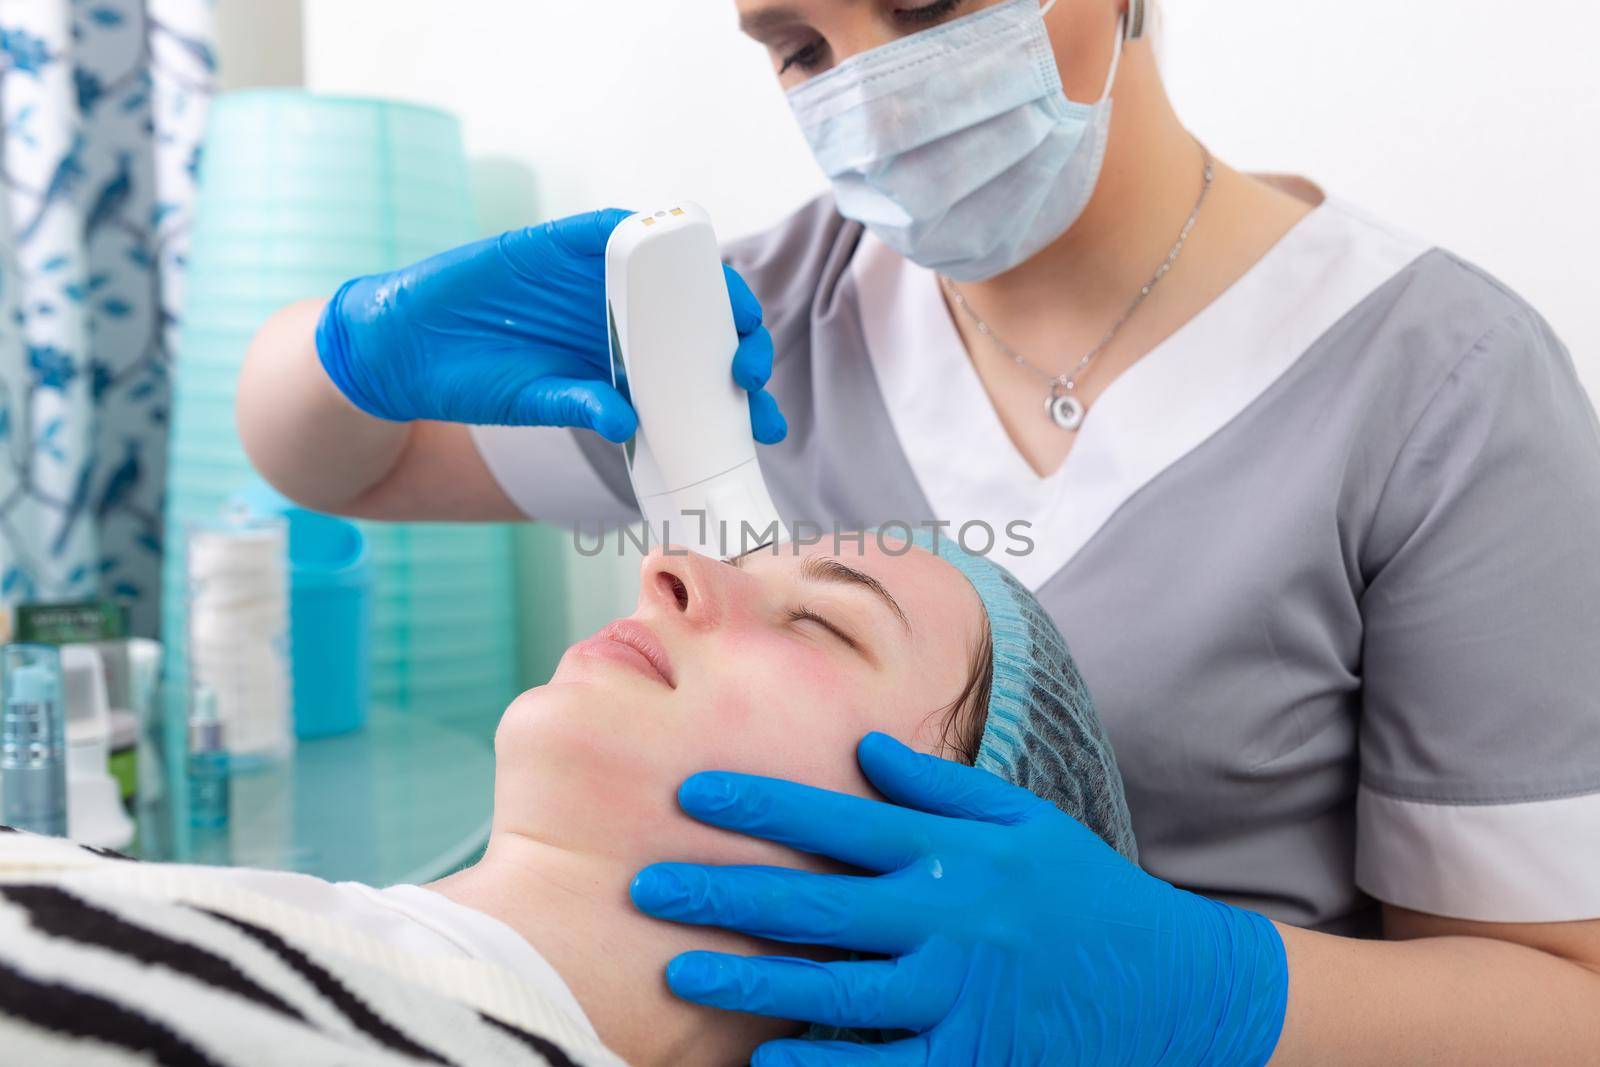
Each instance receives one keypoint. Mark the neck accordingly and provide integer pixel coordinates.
(573, 908)
(1147, 188)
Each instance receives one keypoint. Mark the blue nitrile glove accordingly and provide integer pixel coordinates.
(1010, 933)
(510, 330)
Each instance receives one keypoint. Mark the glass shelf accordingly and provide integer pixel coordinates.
(405, 799)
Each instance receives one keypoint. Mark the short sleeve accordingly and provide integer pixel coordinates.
(1480, 738)
(569, 477)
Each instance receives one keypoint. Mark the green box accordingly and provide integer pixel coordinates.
(71, 624)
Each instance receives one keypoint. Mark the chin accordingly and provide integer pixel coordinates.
(591, 764)
(563, 719)
(580, 758)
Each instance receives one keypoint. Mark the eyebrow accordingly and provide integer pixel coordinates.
(818, 569)
(776, 17)
(767, 18)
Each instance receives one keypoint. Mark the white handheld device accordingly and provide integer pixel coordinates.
(692, 462)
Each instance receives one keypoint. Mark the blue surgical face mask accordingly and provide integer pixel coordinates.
(957, 146)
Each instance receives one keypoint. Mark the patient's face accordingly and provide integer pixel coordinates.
(774, 666)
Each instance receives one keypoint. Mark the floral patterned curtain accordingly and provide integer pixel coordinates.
(103, 104)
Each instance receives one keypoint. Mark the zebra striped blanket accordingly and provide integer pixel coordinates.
(104, 960)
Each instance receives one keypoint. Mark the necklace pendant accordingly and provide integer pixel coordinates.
(1065, 410)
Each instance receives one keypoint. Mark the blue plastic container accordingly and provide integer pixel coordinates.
(330, 615)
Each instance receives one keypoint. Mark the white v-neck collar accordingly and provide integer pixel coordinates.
(1157, 411)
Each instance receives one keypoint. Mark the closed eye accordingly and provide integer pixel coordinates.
(928, 12)
(805, 614)
(812, 56)
(808, 59)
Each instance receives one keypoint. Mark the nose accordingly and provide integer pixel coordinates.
(684, 585)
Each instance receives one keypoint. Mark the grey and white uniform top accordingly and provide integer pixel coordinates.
(1328, 558)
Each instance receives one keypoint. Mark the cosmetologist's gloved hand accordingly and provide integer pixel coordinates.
(510, 330)
(1010, 934)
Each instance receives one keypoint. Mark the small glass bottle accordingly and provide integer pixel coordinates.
(207, 766)
(33, 756)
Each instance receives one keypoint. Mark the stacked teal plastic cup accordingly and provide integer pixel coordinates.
(300, 192)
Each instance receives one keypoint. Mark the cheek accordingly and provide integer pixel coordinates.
(789, 708)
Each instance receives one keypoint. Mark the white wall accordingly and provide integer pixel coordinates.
(260, 44)
(611, 102)
(1473, 122)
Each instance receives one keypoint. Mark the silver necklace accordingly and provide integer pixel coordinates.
(1062, 404)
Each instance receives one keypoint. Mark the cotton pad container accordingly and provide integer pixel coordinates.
(238, 610)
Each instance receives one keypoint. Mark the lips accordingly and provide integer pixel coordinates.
(634, 645)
